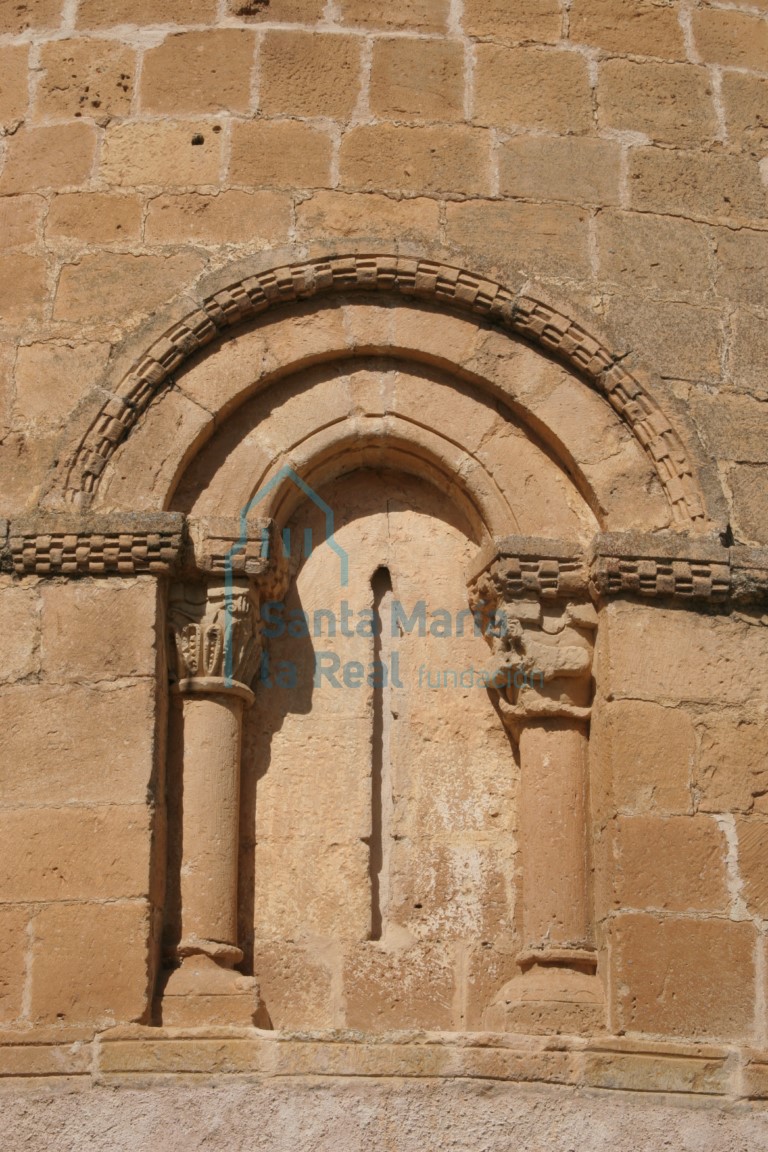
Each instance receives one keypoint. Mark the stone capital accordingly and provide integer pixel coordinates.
(232, 565)
(540, 624)
(215, 637)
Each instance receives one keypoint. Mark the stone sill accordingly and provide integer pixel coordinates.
(134, 1055)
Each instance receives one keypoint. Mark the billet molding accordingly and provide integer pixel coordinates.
(650, 566)
(454, 288)
(655, 566)
(44, 545)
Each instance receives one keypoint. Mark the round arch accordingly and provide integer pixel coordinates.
(441, 314)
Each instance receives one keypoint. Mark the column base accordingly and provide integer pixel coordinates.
(548, 998)
(201, 992)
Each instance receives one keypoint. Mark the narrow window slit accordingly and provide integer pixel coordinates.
(381, 788)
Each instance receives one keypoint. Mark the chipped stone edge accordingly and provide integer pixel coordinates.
(128, 1055)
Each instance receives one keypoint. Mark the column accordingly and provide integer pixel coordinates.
(228, 568)
(542, 634)
(208, 620)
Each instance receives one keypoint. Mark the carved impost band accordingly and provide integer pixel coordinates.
(658, 566)
(522, 566)
(45, 544)
(230, 547)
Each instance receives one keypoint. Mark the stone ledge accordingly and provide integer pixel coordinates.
(136, 1054)
(659, 566)
(121, 545)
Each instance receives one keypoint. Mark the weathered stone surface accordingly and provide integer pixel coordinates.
(105, 13)
(89, 78)
(526, 20)
(94, 218)
(382, 157)
(654, 254)
(639, 27)
(280, 11)
(546, 237)
(302, 74)
(525, 87)
(648, 775)
(14, 86)
(560, 168)
(13, 957)
(282, 154)
(347, 214)
(99, 630)
(749, 486)
(24, 14)
(55, 735)
(449, 892)
(52, 378)
(296, 985)
(411, 15)
(75, 853)
(654, 328)
(741, 262)
(417, 80)
(162, 153)
(732, 765)
(656, 654)
(385, 990)
(684, 977)
(51, 157)
(99, 985)
(199, 72)
(110, 286)
(689, 1069)
(676, 863)
(23, 288)
(415, 1112)
(735, 39)
(20, 218)
(7, 359)
(230, 217)
(733, 427)
(749, 345)
(752, 833)
(315, 904)
(745, 99)
(703, 185)
(487, 970)
(671, 103)
(20, 624)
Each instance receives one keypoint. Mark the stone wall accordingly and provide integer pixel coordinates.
(611, 151)
(593, 383)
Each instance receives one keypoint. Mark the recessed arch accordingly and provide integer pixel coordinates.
(496, 312)
(378, 412)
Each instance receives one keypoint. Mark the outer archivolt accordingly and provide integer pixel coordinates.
(453, 288)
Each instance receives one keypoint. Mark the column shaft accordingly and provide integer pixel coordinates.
(553, 835)
(211, 806)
